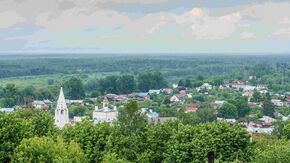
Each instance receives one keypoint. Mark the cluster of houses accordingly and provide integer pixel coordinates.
(109, 113)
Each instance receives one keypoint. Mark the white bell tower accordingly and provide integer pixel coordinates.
(61, 111)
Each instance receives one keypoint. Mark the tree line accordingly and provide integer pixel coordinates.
(30, 136)
(75, 88)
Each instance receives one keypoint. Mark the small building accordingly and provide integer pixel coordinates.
(181, 88)
(191, 108)
(249, 94)
(174, 85)
(163, 120)
(143, 96)
(287, 100)
(178, 98)
(111, 97)
(267, 121)
(78, 119)
(152, 117)
(39, 104)
(121, 98)
(277, 102)
(254, 104)
(217, 104)
(260, 130)
(228, 120)
(75, 102)
(166, 90)
(189, 95)
(252, 77)
(105, 114)
(7, 110)
(152, 91)
(206, 86)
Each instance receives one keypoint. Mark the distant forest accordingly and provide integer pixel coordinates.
(171, 66)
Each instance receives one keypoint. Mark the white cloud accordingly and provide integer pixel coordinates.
(91, 23)
(76, 19)
(10, 18)
(247, 35)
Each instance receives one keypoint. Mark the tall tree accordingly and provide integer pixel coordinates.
(130, 119)
(92, 138)
(44, 149)
(74, 88)
(12, 131)
(228, 110)
(193, 143)
(151, 80)
(126, 84)
(268, 107)
(10, 96)
(241, 104)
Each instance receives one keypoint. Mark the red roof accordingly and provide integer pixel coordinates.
(191, 107)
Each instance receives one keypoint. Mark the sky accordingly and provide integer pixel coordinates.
(144, 26)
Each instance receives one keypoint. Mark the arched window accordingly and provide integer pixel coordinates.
(61, 112)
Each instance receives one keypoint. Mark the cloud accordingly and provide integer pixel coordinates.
(96, 24)
(10, 18)
(247, 35)
(80, 19)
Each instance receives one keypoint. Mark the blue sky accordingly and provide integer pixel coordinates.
(144, 26)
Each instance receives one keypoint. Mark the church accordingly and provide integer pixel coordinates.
(61, 112)
(105, 114)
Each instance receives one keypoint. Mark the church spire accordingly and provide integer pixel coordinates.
(61, 111)
(61, 100)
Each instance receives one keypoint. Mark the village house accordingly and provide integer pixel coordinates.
(152, 91)
(254, 104)
(39, 105)
(287, 100)
(189, 95)
(217, 104)
(228, 120)
(181, 88)
(7, 110)
(111, 97)
(174, 85)
(249, 94)
(78, 119)
(252, 77)
(45, 104)
(205, 86)
(277, 102)
(191, 108)
(254, 128)
(237, 84)
(163, 120)
(166, 90)
(178, 98)
(152, 117)
(121, 98)
(267, 121)
(74, 102)
(143, 96)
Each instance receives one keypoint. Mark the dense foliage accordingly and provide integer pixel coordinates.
(45, 149)
(131, 138)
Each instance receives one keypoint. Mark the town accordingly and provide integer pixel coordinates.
(249, 106)
(256, 118)
(144, 81)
